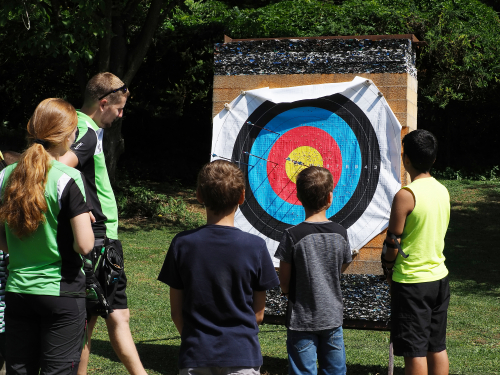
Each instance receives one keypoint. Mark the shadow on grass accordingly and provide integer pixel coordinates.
(137, 225)
(274, 366)
(159, 357)
(162, 358)
(372, 370)
(278, 366)
(471, 243)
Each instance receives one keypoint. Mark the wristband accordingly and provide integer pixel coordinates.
(389, 245)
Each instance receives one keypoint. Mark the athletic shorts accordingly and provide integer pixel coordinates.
(117, 298)
(220, 371)
(44, 332)
(120, 299)
(419, 317)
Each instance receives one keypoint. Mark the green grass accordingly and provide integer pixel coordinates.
(473, 258)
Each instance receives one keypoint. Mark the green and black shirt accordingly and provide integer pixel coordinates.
(45, 263)
(91, 162)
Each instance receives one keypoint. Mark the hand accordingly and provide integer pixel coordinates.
(389, 276)
(92, 218)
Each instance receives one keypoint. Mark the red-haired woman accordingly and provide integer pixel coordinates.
(46, 228)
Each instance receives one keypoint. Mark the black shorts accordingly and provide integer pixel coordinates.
(419, 317)
(119, 300)
(116, 296)
(43, 332)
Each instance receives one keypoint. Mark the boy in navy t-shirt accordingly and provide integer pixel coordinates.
(218, 277)
(312, 256)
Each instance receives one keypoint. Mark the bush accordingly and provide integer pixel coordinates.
(135, 201)
(461, 174)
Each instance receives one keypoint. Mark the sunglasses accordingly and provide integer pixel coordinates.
(123, 89)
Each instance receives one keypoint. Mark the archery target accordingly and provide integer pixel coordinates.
(273, 140)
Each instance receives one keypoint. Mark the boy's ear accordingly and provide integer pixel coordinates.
(406, 160)
(199, 198)
(330, 199)
(242, 198)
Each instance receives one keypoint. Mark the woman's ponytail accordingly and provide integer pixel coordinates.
(23, 201)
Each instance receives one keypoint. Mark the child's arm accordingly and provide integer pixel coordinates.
(402, 205)
(285, 275)
(259, 304)
(349, 255)
(176, 308)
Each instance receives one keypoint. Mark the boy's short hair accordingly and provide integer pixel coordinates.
(421, 148)
(313, 187)
(220, 184)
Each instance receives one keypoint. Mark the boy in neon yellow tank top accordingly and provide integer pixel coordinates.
(419, 284)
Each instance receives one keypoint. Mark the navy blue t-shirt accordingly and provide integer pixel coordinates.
(218, 268)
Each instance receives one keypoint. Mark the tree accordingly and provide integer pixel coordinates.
(458, 72)
(82, 38)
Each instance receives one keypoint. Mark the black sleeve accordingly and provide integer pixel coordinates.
(84, 147)
(268, 278)
(170, 273)
(285, 248)
(72, 200)
(85, 185)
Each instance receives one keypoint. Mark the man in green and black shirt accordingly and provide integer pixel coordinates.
(105, 99)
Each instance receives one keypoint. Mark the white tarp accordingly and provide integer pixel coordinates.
(233, 140)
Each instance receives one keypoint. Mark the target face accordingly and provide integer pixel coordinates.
(279, 140)
(273, 141)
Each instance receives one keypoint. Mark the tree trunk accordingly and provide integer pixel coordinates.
(113, 141)
(114, 145)
(124, 63)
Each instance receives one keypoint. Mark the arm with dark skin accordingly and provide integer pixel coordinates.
(402, 205)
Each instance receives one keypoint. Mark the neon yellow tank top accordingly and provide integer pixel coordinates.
(423, 234)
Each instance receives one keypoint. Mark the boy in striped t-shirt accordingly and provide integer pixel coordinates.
(312, 256)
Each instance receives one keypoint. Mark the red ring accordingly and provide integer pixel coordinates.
(294, 138)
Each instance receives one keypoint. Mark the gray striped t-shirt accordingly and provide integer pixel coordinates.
(316, 252)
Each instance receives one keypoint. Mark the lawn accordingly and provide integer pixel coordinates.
(473, 259)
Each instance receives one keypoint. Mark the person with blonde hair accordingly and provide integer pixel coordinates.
(45, 227)
(104, 102)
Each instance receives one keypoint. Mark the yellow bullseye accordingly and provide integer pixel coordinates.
(305, 155)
